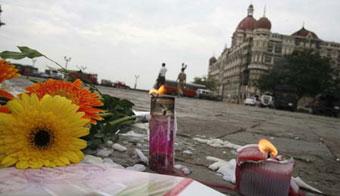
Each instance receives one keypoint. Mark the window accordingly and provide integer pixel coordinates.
(278, 49)
(268, 59)
(270, 47)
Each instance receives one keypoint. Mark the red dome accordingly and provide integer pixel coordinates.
(304, 33)
(263, 23)
(248, 23)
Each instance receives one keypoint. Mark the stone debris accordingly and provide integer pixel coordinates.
(225, 168)
(141, 156)
(137, 167)
(119, 147)
(104, 152)
(218, 143)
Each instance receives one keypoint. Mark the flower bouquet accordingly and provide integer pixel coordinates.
(50, 123)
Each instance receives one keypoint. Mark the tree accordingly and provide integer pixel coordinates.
(305, 71)
(209, 83)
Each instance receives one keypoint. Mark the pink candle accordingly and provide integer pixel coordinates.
(256, 174)
(162, 133)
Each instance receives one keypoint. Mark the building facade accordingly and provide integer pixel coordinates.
(253, 52)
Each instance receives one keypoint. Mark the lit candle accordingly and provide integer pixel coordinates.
(260, 172)
(162, 134)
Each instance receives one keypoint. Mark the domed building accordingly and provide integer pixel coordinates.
(255, 49)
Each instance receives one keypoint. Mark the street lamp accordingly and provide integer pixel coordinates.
(33, 62)
(136, 78)
(67, 60)
(1, 23)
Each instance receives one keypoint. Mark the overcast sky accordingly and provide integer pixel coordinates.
(121, 38)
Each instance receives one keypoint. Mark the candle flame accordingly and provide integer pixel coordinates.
(266, 146)
(160, 91)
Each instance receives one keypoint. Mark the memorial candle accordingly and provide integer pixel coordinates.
(260, 173)
(162, 134)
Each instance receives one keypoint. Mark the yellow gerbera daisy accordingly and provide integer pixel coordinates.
(43, 132)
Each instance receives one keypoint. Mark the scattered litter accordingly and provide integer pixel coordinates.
(119, 147)
(186, 170)
(142, 116)
(304, 185)
(109, 143)
(92, 159)
(296, 138)
(225, 168)
(137, 167)
(337, 159)
(272, 138)
(109, 161)
(134, 134)
(218, 143)
(188, 152)
(141, 156)
(183, 168)
(104, 152)
(139, 145)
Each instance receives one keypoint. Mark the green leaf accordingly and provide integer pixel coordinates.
(12, 55)
(29, 52)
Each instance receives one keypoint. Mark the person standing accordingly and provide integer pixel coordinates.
(161, 76)
(181, 79)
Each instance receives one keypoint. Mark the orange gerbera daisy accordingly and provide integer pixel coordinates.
(80, 96)
(7, 71)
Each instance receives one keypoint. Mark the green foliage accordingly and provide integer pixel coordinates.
(118, 115)
(24, 52)
(306, 71)
(209, 83)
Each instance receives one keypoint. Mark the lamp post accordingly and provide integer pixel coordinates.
(67, 60)
(136, 79)
(33, 62)
(1, 23)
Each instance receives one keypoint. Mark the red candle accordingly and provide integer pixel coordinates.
(257, 173)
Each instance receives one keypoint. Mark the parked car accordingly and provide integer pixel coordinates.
(285, 98)
(203, 93)
(266, 101)
(250, 101)
(327, 105)
(207, 94)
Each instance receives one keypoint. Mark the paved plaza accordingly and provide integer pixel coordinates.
(312, 140)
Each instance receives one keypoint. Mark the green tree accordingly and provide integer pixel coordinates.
(209, 83)
(305, 71)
